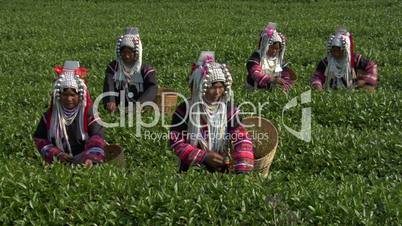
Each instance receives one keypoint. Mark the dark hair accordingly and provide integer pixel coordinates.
(280, 44)
(130, 48)
(223, 83)
(65, 89)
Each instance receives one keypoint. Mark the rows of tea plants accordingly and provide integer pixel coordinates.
(348, 174)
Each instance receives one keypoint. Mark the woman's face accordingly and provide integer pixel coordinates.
(215, 92)
(69, 98)
(274, 49)
(128, 55)
(337, 52)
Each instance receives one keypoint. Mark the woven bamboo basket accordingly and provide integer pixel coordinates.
(264, 149)
(115, 155)
(168, 106)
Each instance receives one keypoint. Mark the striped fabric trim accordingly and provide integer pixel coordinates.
(148, 72)
(264, 80)
(254, 61)
(370, 66)
(256, 71)
(243, 155)
(244, 164)
(96, 150)
(195, 157)
(177, 143)
(180, 151)
(242, 141)
(357, 61)
(316, 82)
(257, 74)
(95, 141)
(45, 150)
(93, 120)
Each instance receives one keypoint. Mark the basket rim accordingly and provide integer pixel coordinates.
(275, 135)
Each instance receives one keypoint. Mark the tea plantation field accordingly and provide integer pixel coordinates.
(350, 173)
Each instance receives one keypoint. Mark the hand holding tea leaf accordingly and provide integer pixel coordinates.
(88, 163)
(360, 83)
(214, 159)
(64, 157)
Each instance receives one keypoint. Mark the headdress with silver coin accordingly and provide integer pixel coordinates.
(340, 72)
(205, 73)
(271, 64)
(68, 78)
(129, 74)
